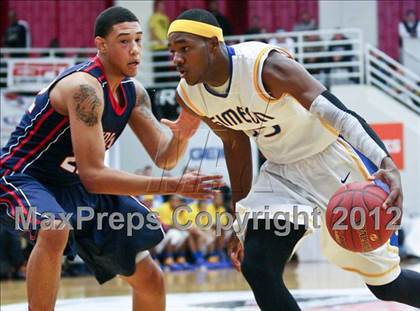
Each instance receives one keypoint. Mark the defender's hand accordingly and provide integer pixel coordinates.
(197, 186)
(185, 126)
(235, 251)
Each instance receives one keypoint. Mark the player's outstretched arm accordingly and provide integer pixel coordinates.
(282, 75)
(164, 150)
(83, 100)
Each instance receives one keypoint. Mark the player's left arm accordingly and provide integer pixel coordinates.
(283, 75)
(165, 150)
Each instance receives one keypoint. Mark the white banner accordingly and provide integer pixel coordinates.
(13, 106)
(33, 74)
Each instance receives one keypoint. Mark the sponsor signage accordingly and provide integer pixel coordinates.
(13, 106)
(392, 134)
(31, 75)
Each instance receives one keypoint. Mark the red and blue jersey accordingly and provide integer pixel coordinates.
(41, 144)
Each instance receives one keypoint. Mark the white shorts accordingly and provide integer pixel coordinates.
(173, 237)
(142, 255)
(209, 237)
(309, 183)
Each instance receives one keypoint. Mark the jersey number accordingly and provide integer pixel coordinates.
(276, 130)
(69, 164)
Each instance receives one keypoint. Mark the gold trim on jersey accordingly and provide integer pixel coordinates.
(285, 52)
(189, 103)
(329, 127)
(372, 275)
(361, 167)
(261, 93)
(196, 28)
(391, 248)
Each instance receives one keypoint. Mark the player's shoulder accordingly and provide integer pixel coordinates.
(255, 50)
(75, 86)
(140, 90)
(77, 80)
(182, 84)
(188, 97)
(137, 84)
(249, 45)
(184, 88)
(250, 49)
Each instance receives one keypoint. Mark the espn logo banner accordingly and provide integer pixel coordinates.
(32, 75)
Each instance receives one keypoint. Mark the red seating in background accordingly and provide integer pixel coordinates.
(273, 14)
(72, 21)
(69, 21)
(389, 15)
(281, 14)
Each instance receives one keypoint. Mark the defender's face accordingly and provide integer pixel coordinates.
(190, 55)
(123, 47)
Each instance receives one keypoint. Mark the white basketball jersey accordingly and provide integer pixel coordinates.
(283, 129)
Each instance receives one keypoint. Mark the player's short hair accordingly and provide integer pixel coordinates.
(110, 17)
(199, 15)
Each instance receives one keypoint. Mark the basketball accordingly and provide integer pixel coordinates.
(356, 219)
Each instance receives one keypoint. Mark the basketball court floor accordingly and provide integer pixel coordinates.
(318, 286)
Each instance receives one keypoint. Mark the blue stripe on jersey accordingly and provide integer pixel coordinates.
(29, 141)
(26, 130)
(372, 168)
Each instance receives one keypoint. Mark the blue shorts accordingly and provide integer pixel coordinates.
(108, 238)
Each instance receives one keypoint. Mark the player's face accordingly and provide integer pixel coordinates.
(124, 47)
(190, 55)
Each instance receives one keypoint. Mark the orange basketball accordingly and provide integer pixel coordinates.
(356, 219)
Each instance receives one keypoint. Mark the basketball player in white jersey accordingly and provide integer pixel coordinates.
(312, 143)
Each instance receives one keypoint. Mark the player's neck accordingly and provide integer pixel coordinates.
(219, 70)
(112, 77)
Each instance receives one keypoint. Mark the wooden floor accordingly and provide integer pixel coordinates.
(297, 276)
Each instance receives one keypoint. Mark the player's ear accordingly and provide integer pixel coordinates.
(100, 44)
(214, 43)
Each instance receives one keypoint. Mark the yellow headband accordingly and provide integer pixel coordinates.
(196, 28)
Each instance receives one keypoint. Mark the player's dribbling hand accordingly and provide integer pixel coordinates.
(235, 251)
(185, 126)
(198, 186)
(390, 175)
